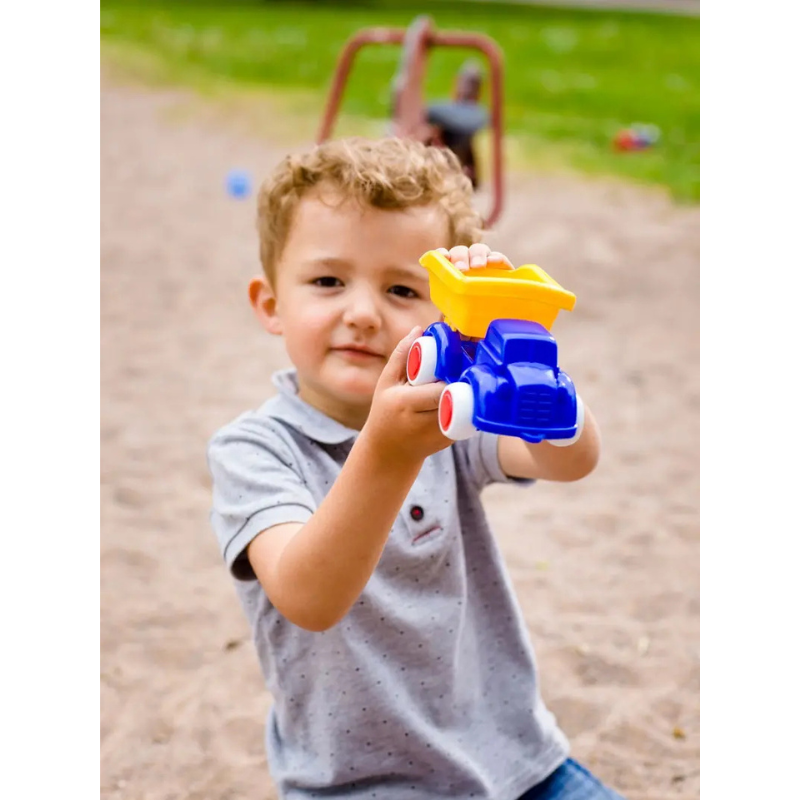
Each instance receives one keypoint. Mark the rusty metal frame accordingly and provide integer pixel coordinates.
(408, 118)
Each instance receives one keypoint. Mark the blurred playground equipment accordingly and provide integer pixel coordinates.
(452, 124)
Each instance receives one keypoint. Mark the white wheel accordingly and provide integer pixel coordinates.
(578, 432)
(421, 363)
(456, 408)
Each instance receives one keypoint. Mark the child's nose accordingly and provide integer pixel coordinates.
(362, 310)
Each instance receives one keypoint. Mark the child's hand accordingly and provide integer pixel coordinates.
(474, 256)
(403, 421)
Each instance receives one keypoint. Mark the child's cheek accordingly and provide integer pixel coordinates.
(312, 323)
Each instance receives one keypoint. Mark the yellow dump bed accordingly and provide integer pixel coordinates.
(471, 300)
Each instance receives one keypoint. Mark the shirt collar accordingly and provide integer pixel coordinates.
(290, 409)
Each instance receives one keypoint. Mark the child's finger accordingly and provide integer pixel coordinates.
(499, 260)
(478, 253)
(459, 255)
(426, 396)
(395, 369)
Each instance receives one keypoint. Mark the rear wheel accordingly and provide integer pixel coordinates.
(456, 409)
(421, 363)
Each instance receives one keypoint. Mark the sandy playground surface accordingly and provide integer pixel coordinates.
(607, 570)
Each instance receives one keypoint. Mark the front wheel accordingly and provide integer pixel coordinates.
(456, 410)
(421, 363)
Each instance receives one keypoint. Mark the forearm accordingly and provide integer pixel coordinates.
(573, 462)
(326, 564)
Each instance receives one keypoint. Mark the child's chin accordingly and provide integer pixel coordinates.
(349, 384)
(359, 392)
(356, 388)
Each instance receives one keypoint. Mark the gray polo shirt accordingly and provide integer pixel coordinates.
(428, 688)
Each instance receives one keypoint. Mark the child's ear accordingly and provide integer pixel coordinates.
(265, 305)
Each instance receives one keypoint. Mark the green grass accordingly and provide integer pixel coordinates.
(573, 77)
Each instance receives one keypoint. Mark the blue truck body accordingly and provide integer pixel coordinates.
(513, 371)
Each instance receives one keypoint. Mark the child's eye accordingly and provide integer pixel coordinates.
(403, 291)
(327, 282)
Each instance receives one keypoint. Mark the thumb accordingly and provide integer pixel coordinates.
(395, 369)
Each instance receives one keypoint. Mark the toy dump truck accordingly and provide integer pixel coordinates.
(495, 351)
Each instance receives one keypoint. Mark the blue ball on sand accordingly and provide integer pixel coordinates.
(239, 183)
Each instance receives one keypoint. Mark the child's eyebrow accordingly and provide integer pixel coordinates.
(407, 273)
(331, 262)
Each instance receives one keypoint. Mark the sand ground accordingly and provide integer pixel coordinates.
(607, 570)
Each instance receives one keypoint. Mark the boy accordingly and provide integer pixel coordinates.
(383, 618)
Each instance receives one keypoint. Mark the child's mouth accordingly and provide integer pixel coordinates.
(358, 355)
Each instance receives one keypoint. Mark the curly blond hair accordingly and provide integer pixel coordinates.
(386, 173)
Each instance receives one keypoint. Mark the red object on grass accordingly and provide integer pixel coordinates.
(625, 140)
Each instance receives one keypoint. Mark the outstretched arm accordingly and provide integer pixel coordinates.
(314, 573)
(520, 459)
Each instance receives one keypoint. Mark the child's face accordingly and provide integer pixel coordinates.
(348, 288)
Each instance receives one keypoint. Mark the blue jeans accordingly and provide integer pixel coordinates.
(570, 781)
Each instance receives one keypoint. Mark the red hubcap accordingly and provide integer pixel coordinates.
(414, 361)
(446, 410)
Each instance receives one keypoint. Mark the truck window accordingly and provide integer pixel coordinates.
(495, 341)
(542, 351)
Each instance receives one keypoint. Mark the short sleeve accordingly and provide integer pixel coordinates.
(255, 485)
(480, 459)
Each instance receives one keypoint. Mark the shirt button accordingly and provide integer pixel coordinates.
(417, 513)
